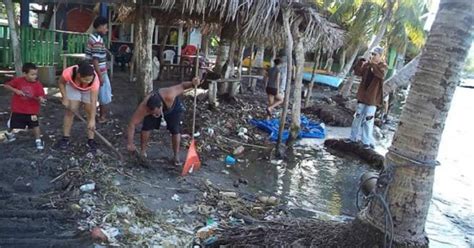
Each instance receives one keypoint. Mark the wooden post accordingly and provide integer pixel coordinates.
(309, 94)
(253, 85)
(212, 94)
(180, 42)
(25, 13)
(14, 37)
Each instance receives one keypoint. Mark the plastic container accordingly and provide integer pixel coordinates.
(229, 160)
(87, 187)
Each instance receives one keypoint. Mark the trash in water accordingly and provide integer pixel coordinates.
(189, 209)
(176, 198)
(276, 162)
(229, 194)
(269, 200)
(210, 131)
(239, 150)
(98, 234)
(87, 187)
(243, 130)
(236, 184)
(243, 181)
(124, 210)
(140, 231)
(111, 233)
(229, 160)
(205, 232)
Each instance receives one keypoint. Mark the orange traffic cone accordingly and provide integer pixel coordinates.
(192, 160)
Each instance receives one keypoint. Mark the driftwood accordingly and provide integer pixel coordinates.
(333, 115)
(373, 158)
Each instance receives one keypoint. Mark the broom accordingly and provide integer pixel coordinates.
(192, 159)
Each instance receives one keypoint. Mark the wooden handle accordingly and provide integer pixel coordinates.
(100, 136)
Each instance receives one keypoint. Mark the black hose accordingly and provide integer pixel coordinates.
(388, 220)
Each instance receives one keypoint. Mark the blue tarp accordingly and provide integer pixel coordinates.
(309, 129)
(323, 79)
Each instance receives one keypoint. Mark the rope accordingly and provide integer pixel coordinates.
(384, 179)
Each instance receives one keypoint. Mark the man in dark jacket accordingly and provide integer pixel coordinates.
(369, 97)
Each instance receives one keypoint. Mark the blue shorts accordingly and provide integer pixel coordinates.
(105, 91)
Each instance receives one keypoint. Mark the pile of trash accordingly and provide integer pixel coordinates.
(227, 209)
(117, 218)
(220, 132)
(113, 217)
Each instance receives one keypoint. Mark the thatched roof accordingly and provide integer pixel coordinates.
(257, 20)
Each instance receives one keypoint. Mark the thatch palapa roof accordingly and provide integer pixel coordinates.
(257, 20)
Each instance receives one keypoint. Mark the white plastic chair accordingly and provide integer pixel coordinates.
(168, 56)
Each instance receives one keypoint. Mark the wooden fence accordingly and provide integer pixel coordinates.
(40, 46)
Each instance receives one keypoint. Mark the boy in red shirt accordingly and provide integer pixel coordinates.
(25, 106)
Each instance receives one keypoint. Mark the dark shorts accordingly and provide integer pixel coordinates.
(21, 121)
(271, 91)
(173, 122)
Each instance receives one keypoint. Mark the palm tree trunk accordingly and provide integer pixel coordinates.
(296, 109)
(342, 60)
(411, 160)
(222, 54)
(346, 88)
(260, 55)
(289, 52)
(329, 62)
(317, 60)
(144, 24)
(229, 71)
(383, 27)
(307, 102)
(240, 52)
(348, 65)
(14, 37)
(402, 77)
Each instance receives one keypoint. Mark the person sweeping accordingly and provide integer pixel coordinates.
(162, 103)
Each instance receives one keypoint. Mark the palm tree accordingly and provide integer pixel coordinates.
(407, 25)
(360, 21)
(386, 19)
(299, 58)
(145, 24)
(411, 161)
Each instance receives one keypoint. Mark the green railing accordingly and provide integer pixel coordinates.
(41, 46)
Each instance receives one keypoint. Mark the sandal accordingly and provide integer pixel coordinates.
(102, 121)
(269, 112)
